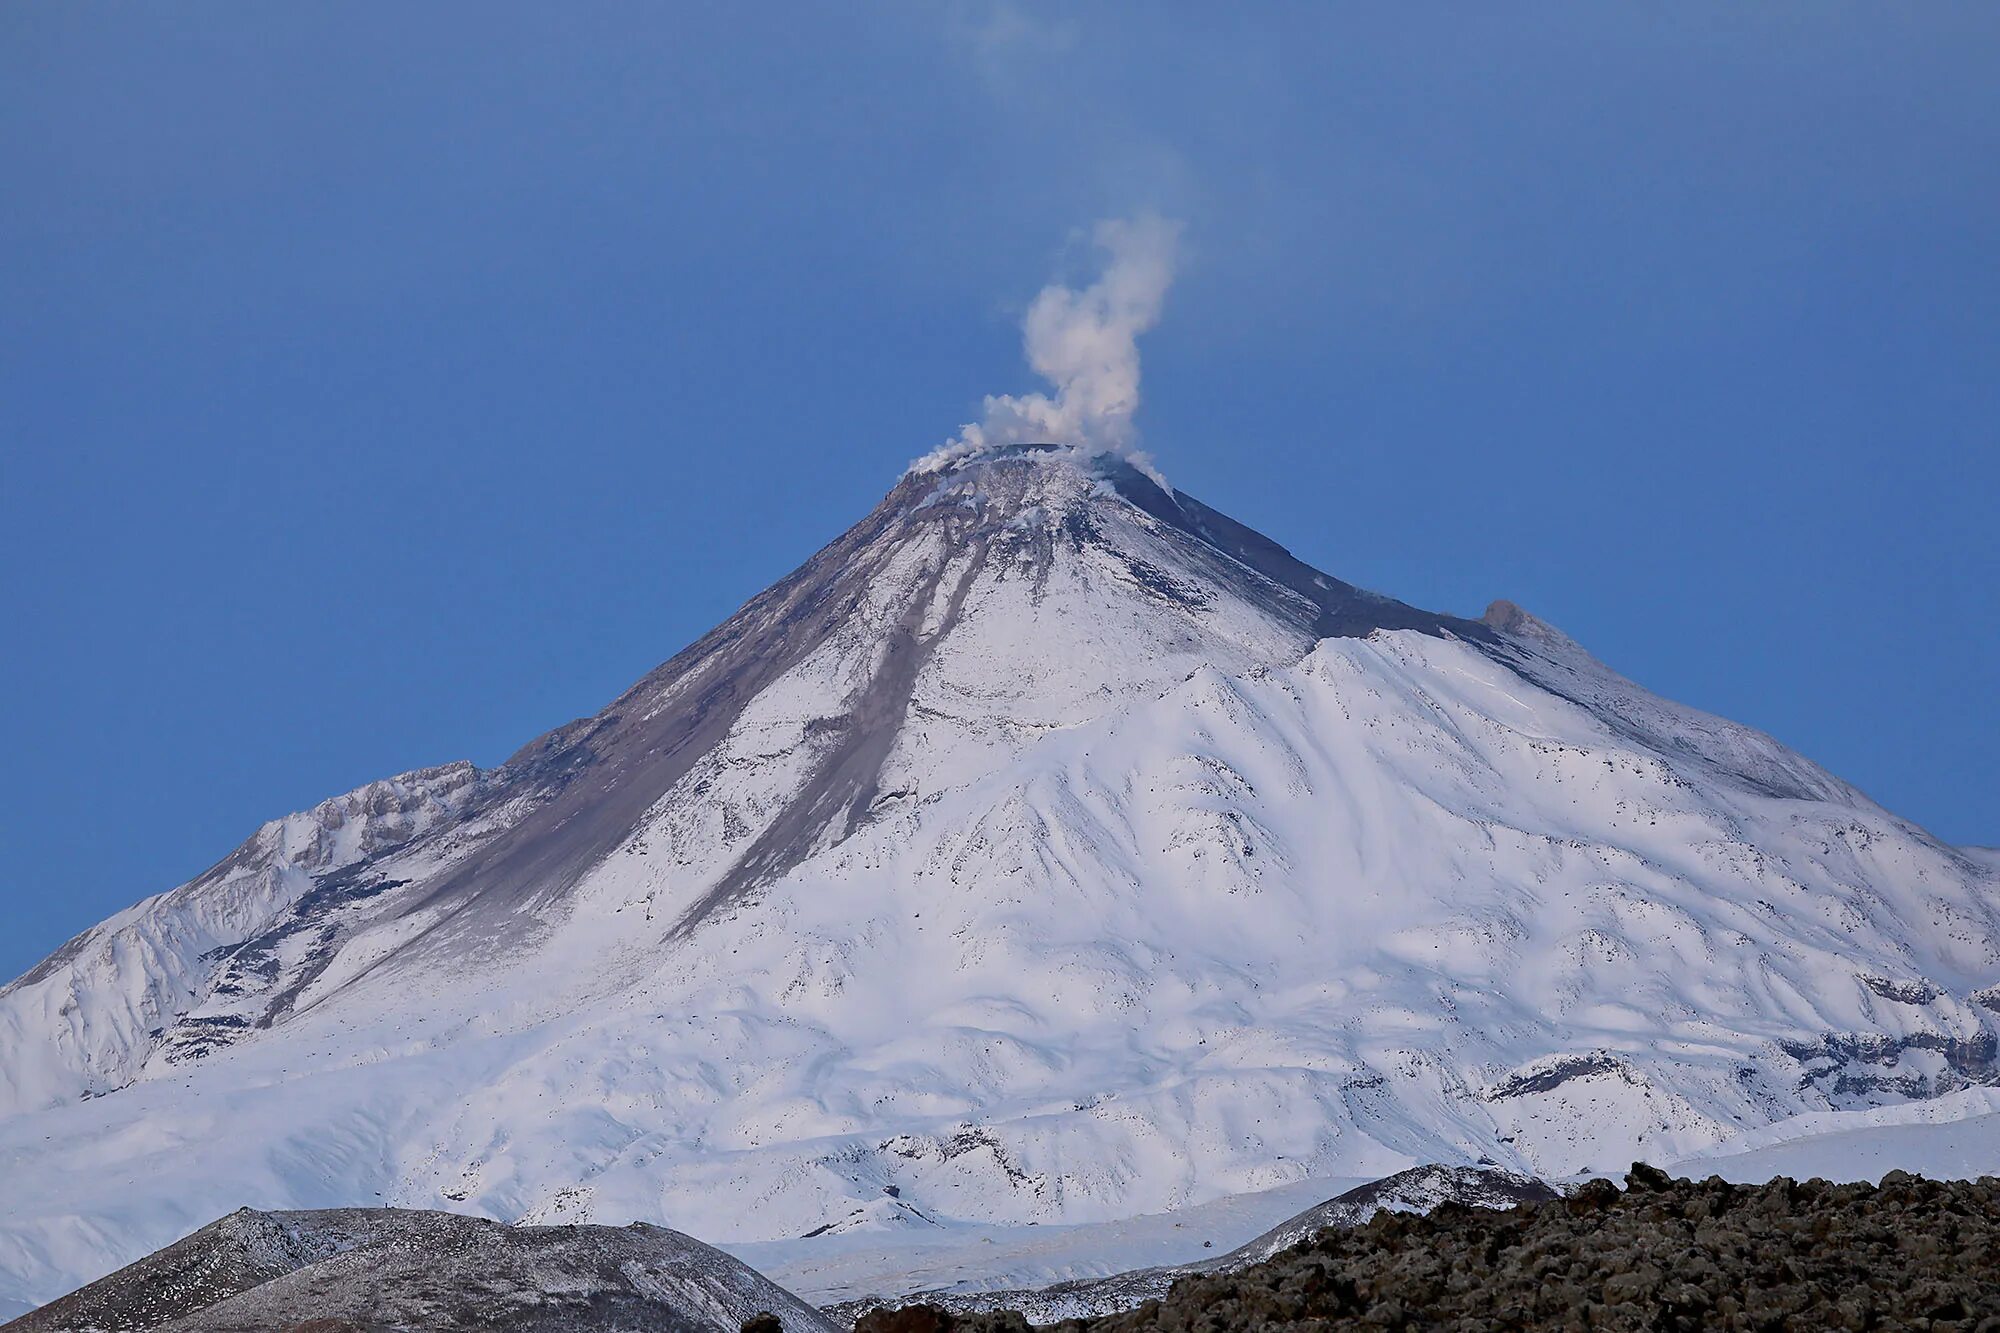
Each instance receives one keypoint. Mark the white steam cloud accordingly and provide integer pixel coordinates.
(1086, 344)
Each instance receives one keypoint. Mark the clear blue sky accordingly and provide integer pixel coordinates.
(383, 384)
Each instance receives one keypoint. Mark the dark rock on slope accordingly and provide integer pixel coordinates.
(1418, 1190)
(1662, 1254)
(337, 1270)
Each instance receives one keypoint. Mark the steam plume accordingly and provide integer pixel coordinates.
(1085, 343)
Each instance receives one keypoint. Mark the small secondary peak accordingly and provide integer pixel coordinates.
(1511, 619)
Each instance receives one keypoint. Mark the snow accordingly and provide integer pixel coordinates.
(1154, 902)
(827, 1270)
(1955, 1137)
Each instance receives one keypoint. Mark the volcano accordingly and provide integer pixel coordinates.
(1048, 848)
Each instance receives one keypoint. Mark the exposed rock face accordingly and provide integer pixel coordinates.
(937, 1319)
(1661, 1255)
(355, 1269)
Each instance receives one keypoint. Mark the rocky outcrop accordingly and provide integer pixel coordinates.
(1660, 1254)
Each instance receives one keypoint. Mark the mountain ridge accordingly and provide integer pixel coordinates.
(384, 1267)
(1048, 847)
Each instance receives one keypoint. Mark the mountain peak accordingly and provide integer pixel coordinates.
(1511, 619)
(1032, 484)
(1005, 481)
(1056, 487)
(1044, 817)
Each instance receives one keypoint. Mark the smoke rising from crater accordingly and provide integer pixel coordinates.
(1086, 344)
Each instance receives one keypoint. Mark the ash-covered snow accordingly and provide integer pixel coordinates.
(1049, 849)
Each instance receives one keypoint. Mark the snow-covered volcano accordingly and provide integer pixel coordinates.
(1048, 847)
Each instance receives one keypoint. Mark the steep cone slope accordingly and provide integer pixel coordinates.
(1049, 847)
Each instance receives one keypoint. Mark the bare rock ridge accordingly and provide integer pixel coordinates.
(383, 1268)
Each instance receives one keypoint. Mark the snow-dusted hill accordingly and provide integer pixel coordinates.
(1048, 848)
(382, 1268)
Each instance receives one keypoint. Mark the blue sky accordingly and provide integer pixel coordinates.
(385, 384)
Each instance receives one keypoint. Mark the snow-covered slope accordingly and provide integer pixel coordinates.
(1953, 1137)
(162, 982)
(1048, 848)
(1418, 1190)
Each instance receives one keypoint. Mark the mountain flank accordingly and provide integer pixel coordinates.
(1049, 848)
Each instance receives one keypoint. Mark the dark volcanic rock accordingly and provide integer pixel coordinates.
(358, 1270)
(937, 1319)
(1418, 1190)
(1661, 1254)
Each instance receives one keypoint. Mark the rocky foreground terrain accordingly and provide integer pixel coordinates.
(1662, 1254)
